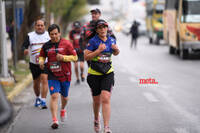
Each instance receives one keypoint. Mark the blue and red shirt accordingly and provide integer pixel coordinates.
(104, 56)
(58, 70)
(96, 41)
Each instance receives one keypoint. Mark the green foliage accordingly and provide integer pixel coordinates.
(77, 10)
(92, 2)
(68, 10)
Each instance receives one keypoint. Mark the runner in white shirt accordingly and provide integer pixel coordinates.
(32, 46)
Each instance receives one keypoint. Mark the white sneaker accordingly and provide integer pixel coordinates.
(107, 130)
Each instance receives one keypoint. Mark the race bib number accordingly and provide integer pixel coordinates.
(55, 66)
(77, 37)
(104, 58)
(37, 59)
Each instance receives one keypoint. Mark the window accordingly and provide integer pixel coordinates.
(191, 11)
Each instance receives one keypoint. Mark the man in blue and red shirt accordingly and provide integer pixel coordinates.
(59, 53)
(74, 36)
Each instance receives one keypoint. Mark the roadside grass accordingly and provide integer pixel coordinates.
(17, 74)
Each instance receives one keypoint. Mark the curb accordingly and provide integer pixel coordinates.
(19, 87)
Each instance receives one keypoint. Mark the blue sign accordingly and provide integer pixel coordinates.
(19, 17)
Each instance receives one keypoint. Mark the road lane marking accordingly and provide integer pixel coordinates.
(150, 97)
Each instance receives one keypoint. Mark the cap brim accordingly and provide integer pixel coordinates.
(94, 11)
(102, 24)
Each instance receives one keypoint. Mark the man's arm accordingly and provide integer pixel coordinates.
(42, 57)
(71, 56)
(25, 45)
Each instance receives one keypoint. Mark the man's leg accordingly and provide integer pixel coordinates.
(54, 105)
(36, 86)
(82, 70)
(44, 90)
(135, 40)
(54, 89)
(64, 99)
(76, 72)
(44, 80)
(54, 109)
(131, 42)
(35, 71)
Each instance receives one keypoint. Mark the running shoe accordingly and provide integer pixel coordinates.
(37, 102)
(55, 124)
(82, 78)
(77, 82)
(107, 130)
(43, 105)
(62, 115)
(97, 126)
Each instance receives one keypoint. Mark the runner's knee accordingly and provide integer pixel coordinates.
(54, 96)
(105, 98)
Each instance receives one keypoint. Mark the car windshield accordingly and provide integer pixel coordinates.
(191, 11)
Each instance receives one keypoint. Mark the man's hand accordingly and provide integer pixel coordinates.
(59, 57)
(26, 52)
(102, 47)
(42, 65)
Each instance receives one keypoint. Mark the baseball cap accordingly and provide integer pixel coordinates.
(76, 24)
(95, 10)
(101, 22)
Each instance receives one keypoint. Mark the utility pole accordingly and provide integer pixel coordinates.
(15, 35)
(4, 60)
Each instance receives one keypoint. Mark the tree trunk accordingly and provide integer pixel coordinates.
(31, 13)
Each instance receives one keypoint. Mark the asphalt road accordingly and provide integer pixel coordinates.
(171, 106)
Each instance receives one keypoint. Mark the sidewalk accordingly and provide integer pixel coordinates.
(19, 87)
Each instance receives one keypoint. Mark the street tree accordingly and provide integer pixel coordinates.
(66, 11)
(93, 2)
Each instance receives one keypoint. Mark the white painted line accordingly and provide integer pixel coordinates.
(150, 97)
(181, 130)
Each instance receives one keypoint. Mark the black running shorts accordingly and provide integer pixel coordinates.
(98, 83)
(80, 56)
(36, 71)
